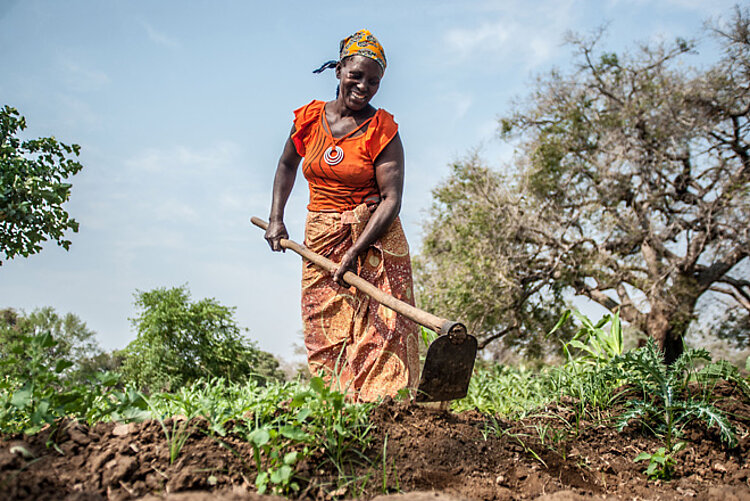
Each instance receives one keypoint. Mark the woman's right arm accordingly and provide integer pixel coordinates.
(286, 171)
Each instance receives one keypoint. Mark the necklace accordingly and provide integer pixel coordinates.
(333, 155)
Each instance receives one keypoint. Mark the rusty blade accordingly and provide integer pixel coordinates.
(447, 370)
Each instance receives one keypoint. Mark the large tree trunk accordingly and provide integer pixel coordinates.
(667, 322)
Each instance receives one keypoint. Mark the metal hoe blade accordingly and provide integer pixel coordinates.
(447, 369)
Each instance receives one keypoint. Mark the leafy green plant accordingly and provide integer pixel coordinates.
(42, 396)
(505, 390)
(33, 174)
(285, 423)
(180, 341)
(278, 471)
(667, 405)
(74, 341)
(177, 430)
(660, 463)
(592, 343)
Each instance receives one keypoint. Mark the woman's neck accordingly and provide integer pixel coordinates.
(338, 107)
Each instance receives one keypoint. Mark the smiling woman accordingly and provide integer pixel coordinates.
(354, 166)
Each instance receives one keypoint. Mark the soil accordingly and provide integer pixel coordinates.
(421, 454)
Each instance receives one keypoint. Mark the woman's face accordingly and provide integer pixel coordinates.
(359, 78)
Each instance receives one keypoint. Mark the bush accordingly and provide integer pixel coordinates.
(180, 341)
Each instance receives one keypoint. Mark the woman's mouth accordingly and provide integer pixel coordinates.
(357, 96)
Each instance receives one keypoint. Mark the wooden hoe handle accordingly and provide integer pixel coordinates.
(435, 323)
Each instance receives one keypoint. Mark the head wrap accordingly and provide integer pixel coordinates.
(361, 43)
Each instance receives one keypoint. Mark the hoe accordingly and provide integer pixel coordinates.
(450, 358)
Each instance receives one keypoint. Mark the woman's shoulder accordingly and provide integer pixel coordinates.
(385, 120)
(310, 110)
(305, 120)
(380, 132)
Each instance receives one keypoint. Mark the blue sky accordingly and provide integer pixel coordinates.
(182, 108)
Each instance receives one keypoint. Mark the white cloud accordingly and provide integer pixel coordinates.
(159, 38)
(78, 78)
(513, 31)
(459, 102)
(181, 158)
(486, 38)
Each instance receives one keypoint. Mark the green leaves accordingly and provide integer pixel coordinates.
(294, 433)
(44, 395)
(260, 437)
(668, 403)
(318, 385)
(22, 397)
(32, 177)
(593, 344)
(660, 463)
(180, 341)
(61, 365)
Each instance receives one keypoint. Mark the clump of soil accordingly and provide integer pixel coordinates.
(471, 456)
(461, 456)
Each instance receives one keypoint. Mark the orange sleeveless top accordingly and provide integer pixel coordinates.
(340, 187)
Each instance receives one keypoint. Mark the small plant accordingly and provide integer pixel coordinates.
(509, 391)
(279, 470)
(43, 395)
(310, 420)
(592, 343)
(660, 463)
(667, 404)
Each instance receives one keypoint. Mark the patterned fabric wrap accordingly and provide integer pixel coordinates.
(365, 349)
(363, 43)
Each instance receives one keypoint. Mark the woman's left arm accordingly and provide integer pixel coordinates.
(389, 174)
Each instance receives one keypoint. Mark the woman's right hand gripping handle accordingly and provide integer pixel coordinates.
(275, 232)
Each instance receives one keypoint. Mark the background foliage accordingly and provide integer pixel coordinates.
(631, 187)
(179, 341)
(74, 342)
(33, 188)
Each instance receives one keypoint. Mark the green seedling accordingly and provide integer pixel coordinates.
(660, 463)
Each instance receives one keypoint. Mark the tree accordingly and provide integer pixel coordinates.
(179, 341)
(475, 265)
(74, 341)
(632, 188)
(33, 188)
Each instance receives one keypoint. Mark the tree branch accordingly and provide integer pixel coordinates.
(496, 335)
(716, 272)
(740, 298)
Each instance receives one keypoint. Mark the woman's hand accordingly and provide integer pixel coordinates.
(348, 263)
(274, 233)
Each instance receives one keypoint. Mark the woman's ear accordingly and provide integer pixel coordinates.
(338, 70)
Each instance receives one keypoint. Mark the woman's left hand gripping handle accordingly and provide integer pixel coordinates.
(274, 233)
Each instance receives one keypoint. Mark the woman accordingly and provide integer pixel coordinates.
(354, 165)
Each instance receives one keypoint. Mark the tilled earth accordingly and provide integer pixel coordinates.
(424, 453)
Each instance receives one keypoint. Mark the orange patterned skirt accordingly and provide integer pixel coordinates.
(364, 349)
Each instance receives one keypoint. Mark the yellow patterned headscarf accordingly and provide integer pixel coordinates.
(363, 43)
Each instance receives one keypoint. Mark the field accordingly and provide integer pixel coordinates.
(604, 425)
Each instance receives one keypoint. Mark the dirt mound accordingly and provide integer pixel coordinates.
(431, 455)
(472, 456)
